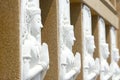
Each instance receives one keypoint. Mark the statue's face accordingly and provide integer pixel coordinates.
(36, 23)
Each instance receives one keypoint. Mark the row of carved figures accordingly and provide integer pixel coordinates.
(94, 67)
(35, 56)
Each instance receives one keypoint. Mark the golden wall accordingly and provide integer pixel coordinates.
(9, 40)
(10, 32)
(50, 35)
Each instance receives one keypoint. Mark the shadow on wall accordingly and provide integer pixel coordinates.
(75, 16)
(49, 35)
(45, 9)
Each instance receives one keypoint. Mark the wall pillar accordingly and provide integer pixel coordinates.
(9, 40)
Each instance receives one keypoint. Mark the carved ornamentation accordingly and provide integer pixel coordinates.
(91, 66)
(69, 64)
(105, 68)
(35, 57)
(115, 69)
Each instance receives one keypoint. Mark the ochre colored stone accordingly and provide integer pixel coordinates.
(50, 35)
(9, 40)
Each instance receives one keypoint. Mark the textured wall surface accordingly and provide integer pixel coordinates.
(49, 35)
(9, 40)
(119, 43)
(9, 36)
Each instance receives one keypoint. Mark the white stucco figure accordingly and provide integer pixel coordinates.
(105, 73)
(91, 66)
(87, 21)
(34, 55)
(69, 64)
(114, 64)
(101, 27)
(113, 36)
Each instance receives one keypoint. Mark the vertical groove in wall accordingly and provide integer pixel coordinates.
(118, 40)
(108, 41)
(96, 37)
(95, 34)
(118, 31)
(50, 34)
(75, 11)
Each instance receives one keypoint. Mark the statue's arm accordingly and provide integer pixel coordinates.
(108, 76)
(26, 58)
(26, 67)
(105, 76)
(77, 64)
(118, 77)
(75, 70)
(43, 63)
(29, 73)
(115, 70)
(116, 74)
(118, 70)
(34, 71)
(68, 75)
(65, 75)
(91, 75)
